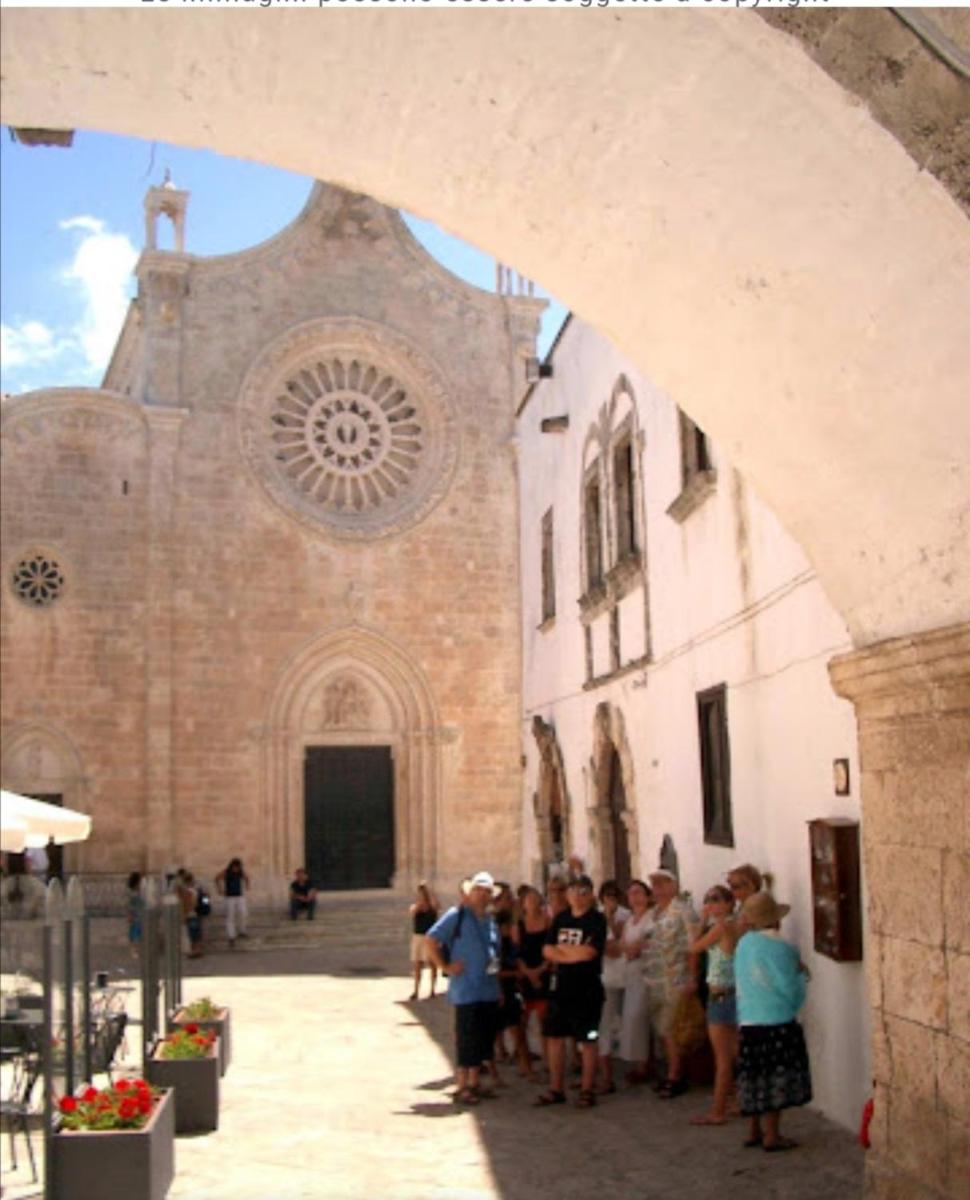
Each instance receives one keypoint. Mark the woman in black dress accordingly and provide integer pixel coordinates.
(533, 969)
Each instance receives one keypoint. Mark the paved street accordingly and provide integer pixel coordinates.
(339, 1090)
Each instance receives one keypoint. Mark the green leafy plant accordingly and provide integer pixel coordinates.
(189, 1041)
(202, 1010)
(127, 1104)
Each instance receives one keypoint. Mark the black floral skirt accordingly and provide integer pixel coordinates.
(773, 1070)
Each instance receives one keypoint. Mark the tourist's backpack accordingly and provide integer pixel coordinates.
(203, 903)
(446, 950)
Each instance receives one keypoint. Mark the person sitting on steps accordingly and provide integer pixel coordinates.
(303, 895)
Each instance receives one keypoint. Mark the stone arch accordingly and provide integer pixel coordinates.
(353, 686)
(41, 760)
(902, 565)
(612, 778)
(551, 801)
(612, 813)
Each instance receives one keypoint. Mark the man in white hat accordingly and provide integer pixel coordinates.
(464, 944)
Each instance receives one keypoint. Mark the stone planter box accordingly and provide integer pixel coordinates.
(117, 1162)
(218, 1025)
(196, 1085)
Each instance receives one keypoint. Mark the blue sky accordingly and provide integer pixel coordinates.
(71, 228)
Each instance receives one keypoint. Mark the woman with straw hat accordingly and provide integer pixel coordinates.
(773, 1071)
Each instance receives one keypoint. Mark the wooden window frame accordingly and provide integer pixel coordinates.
(593, 531)
(715, 762)
(625, 496)
(548, 568)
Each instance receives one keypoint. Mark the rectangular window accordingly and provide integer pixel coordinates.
(695, 452)
(623, 490)
(614, 639)
(715, 766)
(548, 570)
(588, 648)
(592, 528)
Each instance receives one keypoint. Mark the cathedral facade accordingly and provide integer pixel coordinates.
(260, 589)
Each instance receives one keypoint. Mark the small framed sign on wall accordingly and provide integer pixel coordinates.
(840, 776)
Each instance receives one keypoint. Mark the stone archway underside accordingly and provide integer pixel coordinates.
(721, 172)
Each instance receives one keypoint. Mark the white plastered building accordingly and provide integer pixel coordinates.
(668, 618)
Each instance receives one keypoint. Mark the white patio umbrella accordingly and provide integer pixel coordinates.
(25, 822)
(13, 834)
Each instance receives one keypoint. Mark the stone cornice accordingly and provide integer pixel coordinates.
(933, 668)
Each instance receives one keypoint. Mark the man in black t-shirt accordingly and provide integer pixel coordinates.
(574, 944)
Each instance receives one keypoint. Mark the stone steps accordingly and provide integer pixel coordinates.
(343, 920)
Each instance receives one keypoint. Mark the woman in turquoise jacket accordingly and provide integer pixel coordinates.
(773, 1071)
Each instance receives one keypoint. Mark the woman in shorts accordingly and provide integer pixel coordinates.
(719, 940)
(424, 913)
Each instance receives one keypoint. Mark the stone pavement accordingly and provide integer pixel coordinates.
(339, 1090)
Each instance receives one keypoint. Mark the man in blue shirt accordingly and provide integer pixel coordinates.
(464, 944)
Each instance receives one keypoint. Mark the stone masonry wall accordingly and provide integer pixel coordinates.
(912, 698)
(74, 476)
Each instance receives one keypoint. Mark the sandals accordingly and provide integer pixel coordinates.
(673, 1088)
(783, 1143)
(546, 1099)
(586, 1099)
(466, 1096)
(752, 1143)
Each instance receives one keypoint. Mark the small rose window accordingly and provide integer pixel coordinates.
(38, 580)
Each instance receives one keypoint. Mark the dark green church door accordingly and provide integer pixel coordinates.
(349, 810)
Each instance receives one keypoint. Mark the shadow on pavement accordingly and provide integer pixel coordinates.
(632, 1144)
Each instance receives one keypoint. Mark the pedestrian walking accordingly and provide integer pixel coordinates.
(233, 883)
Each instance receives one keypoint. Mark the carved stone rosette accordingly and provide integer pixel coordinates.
(348, 428)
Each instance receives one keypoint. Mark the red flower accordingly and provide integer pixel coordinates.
(200, 1040)
(145, 1103)
(67, 1104)
(141, 1085)
(128, 1108)
(89, 1094)
(191, 1027)
(122, 1085)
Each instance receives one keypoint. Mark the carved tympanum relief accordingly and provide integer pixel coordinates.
(345, 704)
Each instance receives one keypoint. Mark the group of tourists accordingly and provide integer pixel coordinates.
(195, 904)
(615, 975)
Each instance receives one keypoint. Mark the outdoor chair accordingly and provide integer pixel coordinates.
(108, 1036)
(15, 1108)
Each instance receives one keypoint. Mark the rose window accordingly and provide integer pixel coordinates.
(346, 434)
(38, 580)
(349, 428)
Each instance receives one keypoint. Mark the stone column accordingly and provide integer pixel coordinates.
(163, 425)
(912, 701)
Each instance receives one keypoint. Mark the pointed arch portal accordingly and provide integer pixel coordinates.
(351, 690)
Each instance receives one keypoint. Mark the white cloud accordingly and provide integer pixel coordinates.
(91, 224)
(101, 270)
(90, 306)
(25, 344)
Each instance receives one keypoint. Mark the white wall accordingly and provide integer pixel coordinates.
(732, 600)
